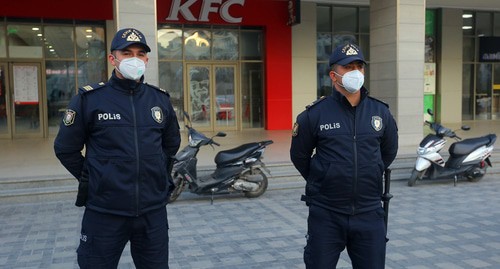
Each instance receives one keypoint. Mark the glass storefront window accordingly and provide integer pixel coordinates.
(495, 113)
(25, 41)
(60, 79)
(364, 20)
(225, 45)
(324, 80)
(58, 42)
(345, 19)
(197, 44)
(324, 46)
(483, 91)
(496, 24)
(171, 79)
(90, 72)
(468, 49)
(90, 42)
(252, 95)
(170, 44)
(251, 45)
(468, 26)
(483, 24)
(3, 47)
(324, 19)
(467, 92)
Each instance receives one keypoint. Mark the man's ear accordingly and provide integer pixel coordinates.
(111, 59)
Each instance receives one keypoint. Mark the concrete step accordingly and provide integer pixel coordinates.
(283, 175)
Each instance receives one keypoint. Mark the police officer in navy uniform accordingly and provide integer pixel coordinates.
(341, 145)
(130, 133)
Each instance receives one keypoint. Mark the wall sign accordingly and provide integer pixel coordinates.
(489, 49)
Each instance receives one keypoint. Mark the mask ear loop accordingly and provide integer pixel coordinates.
(338, 83)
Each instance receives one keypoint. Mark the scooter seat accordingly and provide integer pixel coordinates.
(466, 146)
(227, 156)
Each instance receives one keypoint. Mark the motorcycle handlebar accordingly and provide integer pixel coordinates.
(215, 143)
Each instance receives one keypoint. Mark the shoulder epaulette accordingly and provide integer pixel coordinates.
(316, 102)
(91, 87)
(380, 101)
(158, 88)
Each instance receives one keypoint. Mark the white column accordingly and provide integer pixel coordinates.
(397, 43)
(140, 15)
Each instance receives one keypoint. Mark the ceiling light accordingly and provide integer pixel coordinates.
(35, 28)
(466, 27)
(466, 16)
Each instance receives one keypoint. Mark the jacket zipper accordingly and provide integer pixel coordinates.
(136, 143)
(355, 182)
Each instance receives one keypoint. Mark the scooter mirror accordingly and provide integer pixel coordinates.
(465, 127)
(430, 112)
(220, 134)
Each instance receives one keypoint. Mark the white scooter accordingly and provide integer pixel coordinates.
(469, 158)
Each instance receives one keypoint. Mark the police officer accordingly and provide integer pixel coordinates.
(130, 132)
(354, 138)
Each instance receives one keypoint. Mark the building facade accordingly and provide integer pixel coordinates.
(240, 64)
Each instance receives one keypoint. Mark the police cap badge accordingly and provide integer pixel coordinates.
(128, 36)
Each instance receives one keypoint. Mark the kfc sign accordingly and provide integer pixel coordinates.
(191, 10)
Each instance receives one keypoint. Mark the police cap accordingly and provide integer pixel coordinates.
(345, 54)
(128, 36)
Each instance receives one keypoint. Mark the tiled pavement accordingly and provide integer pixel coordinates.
(432, 225)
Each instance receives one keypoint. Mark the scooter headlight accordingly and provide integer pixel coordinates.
(193, 142)
(422, 151)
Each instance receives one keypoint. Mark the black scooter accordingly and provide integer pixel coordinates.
(236, 169)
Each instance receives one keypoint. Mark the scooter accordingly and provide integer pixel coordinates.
(469, 158)
(237, 170)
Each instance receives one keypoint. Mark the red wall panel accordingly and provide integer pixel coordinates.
(58, 9)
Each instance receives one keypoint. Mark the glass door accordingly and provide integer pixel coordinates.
(4, 111)
(211, 97)
(26, 95)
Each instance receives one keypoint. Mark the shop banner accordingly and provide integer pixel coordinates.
(489, 49)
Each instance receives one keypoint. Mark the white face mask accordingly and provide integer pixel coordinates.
(352, 80)
(131, 68)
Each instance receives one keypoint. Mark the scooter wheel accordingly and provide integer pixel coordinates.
(415, 175)
(262, 184)
(180, 184)
(477, 174)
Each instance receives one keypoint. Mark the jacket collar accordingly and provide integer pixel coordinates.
(125, 85)
(340, 97)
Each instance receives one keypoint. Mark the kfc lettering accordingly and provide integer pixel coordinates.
(208, 6)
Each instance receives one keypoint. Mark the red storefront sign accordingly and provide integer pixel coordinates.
(272, 16)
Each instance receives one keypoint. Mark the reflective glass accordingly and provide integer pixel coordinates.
(58, 42)
(199, 94)
(60, 78)
(25, 41)
(324, 46)
(225, 80)
(343, 39)
(197, 44)
(90, 72)
(3, 46)
(225, 45)
(483, 24)
(496, 24)
(483, 91)
(170, 44)
(495, 114)
(467, 92)
(324, 80)
(323, 19)
(251, 45)
(364, 20)
(345, 19)
(468, 49)
(3, 99)
(171, 79)
(252, 95)
(90, 42)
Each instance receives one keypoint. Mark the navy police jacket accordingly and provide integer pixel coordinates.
(352, 146)
(130, 131)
